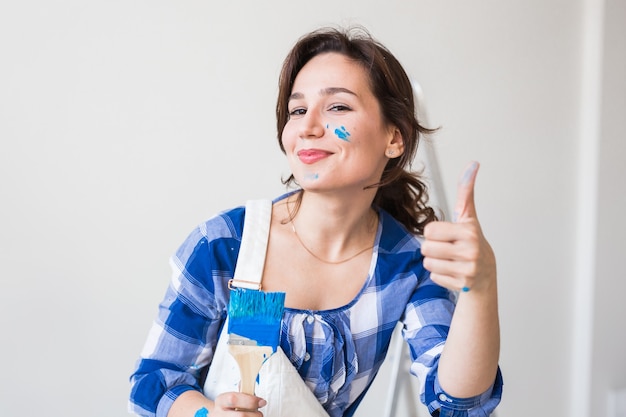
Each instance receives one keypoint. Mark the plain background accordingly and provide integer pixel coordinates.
(123, 124)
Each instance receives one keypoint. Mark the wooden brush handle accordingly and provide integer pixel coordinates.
(249, 359)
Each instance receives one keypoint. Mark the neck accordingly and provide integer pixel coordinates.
(332, 231)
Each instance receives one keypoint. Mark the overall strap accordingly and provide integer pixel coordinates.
(256, 230)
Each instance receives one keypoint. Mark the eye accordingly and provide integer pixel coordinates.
(339, 108)
(298, 111)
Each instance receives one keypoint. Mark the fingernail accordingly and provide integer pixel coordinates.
(262, 403)
(468, 173)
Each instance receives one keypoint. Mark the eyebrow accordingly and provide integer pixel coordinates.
(325, 92)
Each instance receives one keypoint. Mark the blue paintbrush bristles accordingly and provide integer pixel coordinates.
(248, 303)
(256, 315)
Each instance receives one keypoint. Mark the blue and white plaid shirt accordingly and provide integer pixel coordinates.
(337, 352)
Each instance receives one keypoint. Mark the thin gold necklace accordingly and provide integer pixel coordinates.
(293, 227)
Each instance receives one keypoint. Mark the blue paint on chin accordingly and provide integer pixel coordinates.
(342, 133)
(313, 176)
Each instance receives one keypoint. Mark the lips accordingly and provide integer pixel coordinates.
(311, 156)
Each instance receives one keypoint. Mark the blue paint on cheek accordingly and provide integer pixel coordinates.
(203, 412)
(342, 133)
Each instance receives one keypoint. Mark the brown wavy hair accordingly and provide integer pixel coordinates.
(401, 192)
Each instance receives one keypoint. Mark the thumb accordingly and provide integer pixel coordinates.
(465, 207)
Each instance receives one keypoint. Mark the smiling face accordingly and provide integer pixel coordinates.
(336, 137)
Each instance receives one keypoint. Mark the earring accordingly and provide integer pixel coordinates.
(391, 152)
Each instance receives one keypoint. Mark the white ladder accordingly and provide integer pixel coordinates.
(398, 352)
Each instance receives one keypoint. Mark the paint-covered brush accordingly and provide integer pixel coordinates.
(254, 319)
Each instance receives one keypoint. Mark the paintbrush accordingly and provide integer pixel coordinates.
(254, 319)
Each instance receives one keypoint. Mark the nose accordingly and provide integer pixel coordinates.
(311, 126)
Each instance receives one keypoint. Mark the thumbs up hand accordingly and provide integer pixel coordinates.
(456, 253)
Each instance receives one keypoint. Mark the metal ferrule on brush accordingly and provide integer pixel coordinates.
(235, 339)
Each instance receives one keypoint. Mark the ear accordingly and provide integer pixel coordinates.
(395, 145)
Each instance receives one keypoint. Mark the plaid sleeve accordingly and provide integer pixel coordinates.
(182, 338)
(427, 323)
(478, 406)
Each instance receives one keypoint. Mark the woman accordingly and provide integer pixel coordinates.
(355, 248)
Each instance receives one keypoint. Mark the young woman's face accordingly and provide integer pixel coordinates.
(335, 137)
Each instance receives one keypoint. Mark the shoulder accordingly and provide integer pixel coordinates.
(395, 238)
(399, 258)
(218, 237)
(224, 227)
(220, 233)
(226, 224)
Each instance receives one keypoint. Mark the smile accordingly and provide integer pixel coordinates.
(310, 156)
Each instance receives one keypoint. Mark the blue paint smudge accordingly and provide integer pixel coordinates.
(203, 412)
(468, 173)
(342, 133)
(313, 176)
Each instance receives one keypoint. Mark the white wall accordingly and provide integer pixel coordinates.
(124, 124)
(609, 331)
